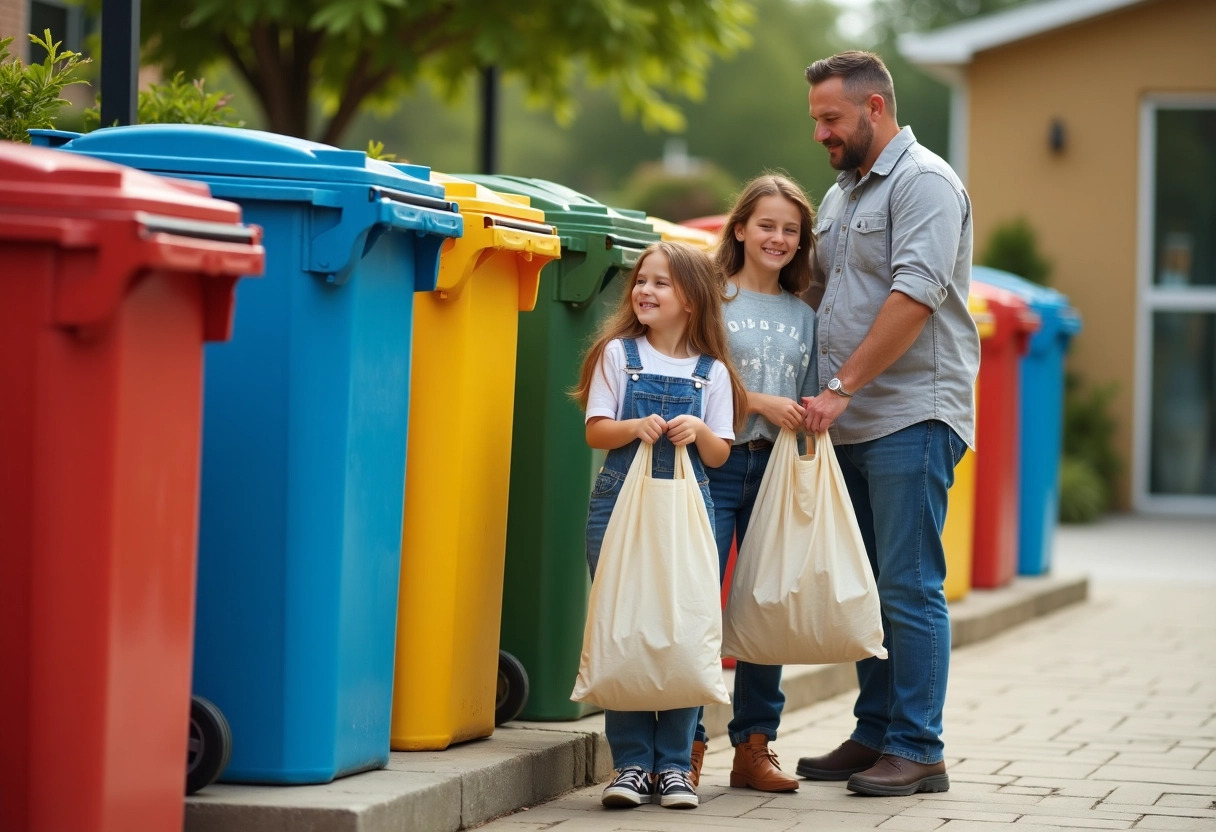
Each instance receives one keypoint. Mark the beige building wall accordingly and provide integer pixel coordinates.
(13, 25)
(1082, 202)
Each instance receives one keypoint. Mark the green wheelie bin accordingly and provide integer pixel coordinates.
(545, 586)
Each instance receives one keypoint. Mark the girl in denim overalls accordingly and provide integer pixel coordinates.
(659, 373)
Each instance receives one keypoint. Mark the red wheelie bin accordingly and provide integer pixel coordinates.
(995, 541)
(110, 282)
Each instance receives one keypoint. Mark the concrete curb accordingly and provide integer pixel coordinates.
(526, 763)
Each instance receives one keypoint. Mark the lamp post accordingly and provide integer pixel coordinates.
(119, 61)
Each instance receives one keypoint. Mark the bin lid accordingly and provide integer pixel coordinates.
(576, 215)
(610, 238)
(984, 322)
(129, 221)
(1015, 320)
(37, 180)
(713, 222)
(501, 221)
(1060, 320)
(208, 150)
(697, 237)
(253, 165)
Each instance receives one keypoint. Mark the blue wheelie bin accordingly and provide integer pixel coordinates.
(304, 440)
(1041, 417)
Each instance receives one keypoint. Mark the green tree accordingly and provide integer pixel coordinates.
(351, 53)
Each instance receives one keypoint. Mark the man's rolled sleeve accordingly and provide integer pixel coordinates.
(927, 215)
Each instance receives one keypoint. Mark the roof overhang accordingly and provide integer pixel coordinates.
(946, 53)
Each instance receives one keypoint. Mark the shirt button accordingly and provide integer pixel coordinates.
(854, 196)
(827, 309)
(635, 376)
(838, 270)
(823, 350)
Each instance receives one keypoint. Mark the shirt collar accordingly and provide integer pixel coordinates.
(886, 160)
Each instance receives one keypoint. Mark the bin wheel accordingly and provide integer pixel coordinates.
(209, 746)
(512, 688)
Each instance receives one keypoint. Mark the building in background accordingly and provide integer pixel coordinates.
(1096, 120)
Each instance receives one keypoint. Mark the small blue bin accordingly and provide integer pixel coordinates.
(304, 440)
(1041, 416)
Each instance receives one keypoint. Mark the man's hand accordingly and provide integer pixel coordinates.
(823, 410)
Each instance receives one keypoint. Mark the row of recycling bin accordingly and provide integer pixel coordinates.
(340, 607)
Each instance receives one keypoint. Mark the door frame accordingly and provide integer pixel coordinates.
(1150, 299)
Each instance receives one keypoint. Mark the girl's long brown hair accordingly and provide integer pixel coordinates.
(796, 274)
(698, 284)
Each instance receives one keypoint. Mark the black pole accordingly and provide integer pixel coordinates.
(489, 119)
(119, 61)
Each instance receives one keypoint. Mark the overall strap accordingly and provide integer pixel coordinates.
(704, 364)
(633, 359)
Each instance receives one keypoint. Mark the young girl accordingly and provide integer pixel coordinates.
(765, 253)
(658, 373)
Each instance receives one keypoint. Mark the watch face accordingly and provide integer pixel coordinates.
(834, 384)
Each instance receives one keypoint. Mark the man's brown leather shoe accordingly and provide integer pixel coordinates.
(848, 759)
(698, 758)
(894, 776)
(756, 767)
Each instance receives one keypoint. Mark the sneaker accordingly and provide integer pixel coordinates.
(676, 791)
(632, 787)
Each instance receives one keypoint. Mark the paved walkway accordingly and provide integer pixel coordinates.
(1099, 716)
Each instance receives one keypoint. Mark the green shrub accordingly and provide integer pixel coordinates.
(1089, 450)
(678, 197)
(176, 101)
(1014, 248)
(1083, 495)
(29, 95)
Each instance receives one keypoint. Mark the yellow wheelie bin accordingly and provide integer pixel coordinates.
(675, 233)
(960, 516)
(458, 467)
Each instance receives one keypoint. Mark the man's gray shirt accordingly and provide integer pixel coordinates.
(906, 227)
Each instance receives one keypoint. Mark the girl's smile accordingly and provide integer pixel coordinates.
(770, 235)
(656, 302)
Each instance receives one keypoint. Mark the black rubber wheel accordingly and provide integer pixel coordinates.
(512, 688)
(209, 746)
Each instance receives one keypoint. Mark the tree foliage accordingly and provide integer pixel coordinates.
(350, 53)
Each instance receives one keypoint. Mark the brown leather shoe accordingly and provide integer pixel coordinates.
(895, 776)
(849, 758)
(756, 767)
(698, 757)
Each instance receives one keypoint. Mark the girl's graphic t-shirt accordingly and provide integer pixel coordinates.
(607, 394)
(772, 338)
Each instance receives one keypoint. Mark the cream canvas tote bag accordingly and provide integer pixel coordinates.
(654, 628)
(803, 591)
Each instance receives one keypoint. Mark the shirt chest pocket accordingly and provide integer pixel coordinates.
(868, 242)
(823, 242)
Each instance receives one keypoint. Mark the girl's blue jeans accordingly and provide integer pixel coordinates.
(757, 699)
(898, 486)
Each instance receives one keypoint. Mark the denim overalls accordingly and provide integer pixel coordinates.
(663, 741)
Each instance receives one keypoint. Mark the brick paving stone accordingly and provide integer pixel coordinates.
(1174, 824)
(906, 823)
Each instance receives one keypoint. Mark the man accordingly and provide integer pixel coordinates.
(898, 356)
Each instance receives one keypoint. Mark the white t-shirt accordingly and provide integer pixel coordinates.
(607, 394)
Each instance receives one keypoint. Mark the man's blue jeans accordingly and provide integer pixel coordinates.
(758, 698)
(898, 486)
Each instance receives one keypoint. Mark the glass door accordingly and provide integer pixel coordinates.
(1175, 466)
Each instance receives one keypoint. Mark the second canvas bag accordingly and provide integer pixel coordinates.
(803, 591)
(654, 625)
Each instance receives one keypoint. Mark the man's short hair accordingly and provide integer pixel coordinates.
(863, 74)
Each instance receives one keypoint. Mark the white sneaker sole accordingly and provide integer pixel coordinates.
(623, 799)
(677, 801)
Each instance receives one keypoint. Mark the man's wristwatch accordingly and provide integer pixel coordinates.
(836, 387)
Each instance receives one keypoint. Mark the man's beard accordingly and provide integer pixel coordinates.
(854, 150)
